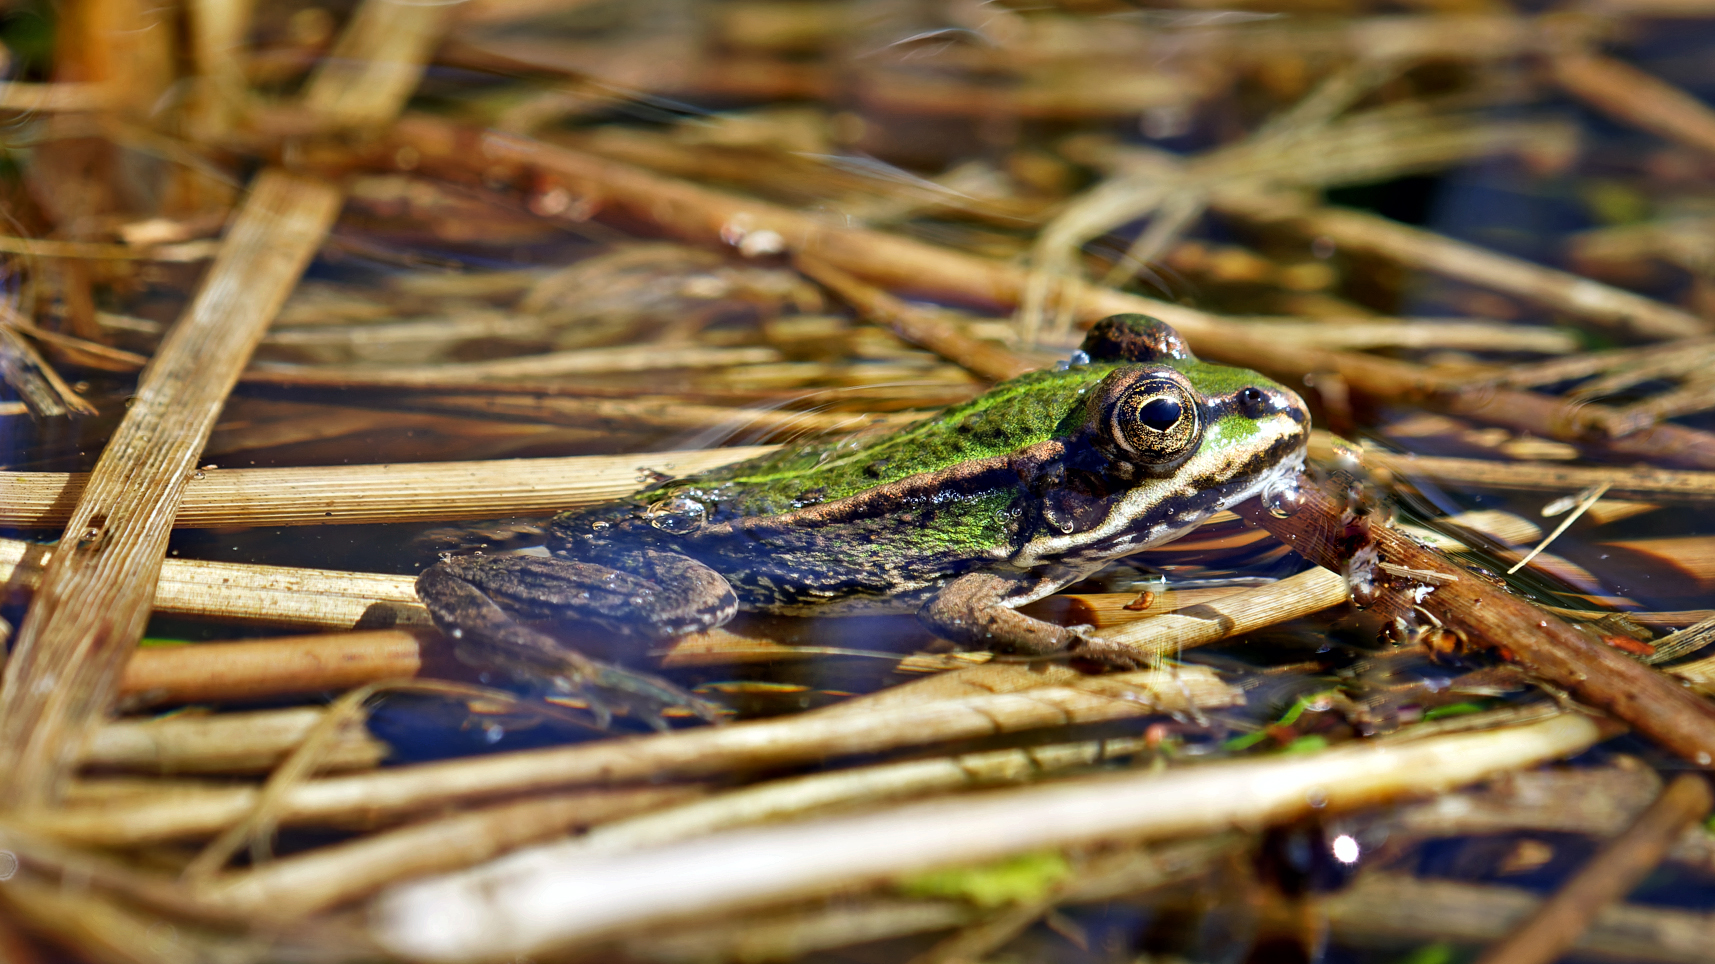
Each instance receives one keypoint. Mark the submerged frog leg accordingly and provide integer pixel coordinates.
(478, 600)
(975, 611)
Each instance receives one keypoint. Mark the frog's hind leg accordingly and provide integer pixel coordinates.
(975, 611)
(479, 600)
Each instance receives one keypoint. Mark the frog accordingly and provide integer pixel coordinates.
(960, 518)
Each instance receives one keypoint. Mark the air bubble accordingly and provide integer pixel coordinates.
(1282, 497)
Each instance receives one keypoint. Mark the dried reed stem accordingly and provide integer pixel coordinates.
(94, 599)
(1428, 251)
(26, 373)
(376, 62)
(1560, 921)
(306, 883)
(918, 326)
(272, 595)
(60, 98)
(260, 668)
(1308, 592)
(785, 799)
(586, 361)
(252, 742)
(1636, 97)
(417, 492)
(681, 754)
(551, 897)
(618, 414)
(1356, 334)
(1626, 482)
(720, 220)
(1388, 908)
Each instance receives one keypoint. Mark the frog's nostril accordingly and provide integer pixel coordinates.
(1253, 402)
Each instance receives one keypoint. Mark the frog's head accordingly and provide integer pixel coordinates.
(1185, 439)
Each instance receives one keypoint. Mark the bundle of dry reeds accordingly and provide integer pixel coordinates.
(296, 296)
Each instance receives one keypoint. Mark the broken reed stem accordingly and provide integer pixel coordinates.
(919, 326)
(1635, 97)
(1466, 610)
(719, 220)
(29, 375)
(1308, 592)
(95, 596)
(678, 755)
(538, 899)
(413, 492)
(1621, 865)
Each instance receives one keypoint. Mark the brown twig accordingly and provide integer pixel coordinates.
(1469, 610)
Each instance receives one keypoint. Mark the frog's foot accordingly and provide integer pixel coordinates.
(975, 611)
(474, 601)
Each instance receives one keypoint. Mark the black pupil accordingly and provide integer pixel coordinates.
(1160, 413)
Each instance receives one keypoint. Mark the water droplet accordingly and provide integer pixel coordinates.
(1317, 798)
(1703, 759)
(493, 732)
(676, 514)
(1282, 497)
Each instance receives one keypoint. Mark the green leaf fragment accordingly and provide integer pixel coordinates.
(1025, 877)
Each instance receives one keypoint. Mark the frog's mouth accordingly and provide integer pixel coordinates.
(1258, 454)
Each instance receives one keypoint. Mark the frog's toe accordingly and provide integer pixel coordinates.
(646, 697)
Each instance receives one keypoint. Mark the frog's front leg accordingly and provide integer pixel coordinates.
(479, 600)
(976, 611)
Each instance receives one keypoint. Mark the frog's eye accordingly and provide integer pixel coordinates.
(1155, 421)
